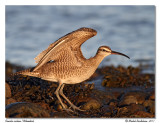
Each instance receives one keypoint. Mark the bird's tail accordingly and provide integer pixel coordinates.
(28, 72)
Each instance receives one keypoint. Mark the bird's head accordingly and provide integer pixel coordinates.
(105, 51)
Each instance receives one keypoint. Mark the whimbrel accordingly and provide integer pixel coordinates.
(63, 62)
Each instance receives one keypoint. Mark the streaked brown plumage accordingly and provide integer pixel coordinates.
(64, 62)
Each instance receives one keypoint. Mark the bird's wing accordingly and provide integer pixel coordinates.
(72, 40)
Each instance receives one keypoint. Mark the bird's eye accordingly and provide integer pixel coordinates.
(103, 50)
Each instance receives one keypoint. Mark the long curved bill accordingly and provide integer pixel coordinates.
(118, 53)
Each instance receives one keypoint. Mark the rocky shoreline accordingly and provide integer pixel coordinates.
(128, 93)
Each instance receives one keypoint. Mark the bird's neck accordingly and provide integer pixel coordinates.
(97, 59)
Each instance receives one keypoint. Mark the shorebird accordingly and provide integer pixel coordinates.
(63, 62)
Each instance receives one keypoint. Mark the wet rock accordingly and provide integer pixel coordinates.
(117, 94)
(103, 96)
(107, 111)
(8, 90)
(122, 112)
(63, 114)
(128, 100)
(44, 105)
(135, 107)
(125, 77)
(79, 101)
(24, 110)
(142, 114)
(92, 104)
(33, 90)
(150, 105)
(9, 101)
(152, 96)
(132, 97)
(113, 103)
(129, 110)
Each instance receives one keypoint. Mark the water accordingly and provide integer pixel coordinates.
(127, 29)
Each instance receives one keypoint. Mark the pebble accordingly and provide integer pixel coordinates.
(92, 104)
(25, 110)
(59, 107)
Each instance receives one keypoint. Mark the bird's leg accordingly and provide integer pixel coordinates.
(57, 94)
(71, 104)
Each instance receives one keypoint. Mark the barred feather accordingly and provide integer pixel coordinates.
(28, 72)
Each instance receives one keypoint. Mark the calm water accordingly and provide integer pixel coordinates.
(127, 29)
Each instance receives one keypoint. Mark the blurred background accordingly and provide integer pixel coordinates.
(126, 29)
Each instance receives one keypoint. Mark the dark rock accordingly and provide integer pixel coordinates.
(117, 94)
(107, 111)
(9, 101)
(103, 96)
(150, 105)
(142, 114)
(135, 107)
(125, 77)
(8, 90)
(128, 100)
(44, 105)
(129, 110)
(80, 101)
(152, 96)
(92, 104)
(24, 110)
(63, 114)
(113, 103)
(132, 97)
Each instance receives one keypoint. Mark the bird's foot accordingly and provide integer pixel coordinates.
(70, 111)
(76, 108)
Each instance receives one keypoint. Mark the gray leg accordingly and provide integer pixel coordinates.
(71, 104)
(57, 94)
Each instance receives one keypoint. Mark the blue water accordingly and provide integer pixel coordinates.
(127, 29)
